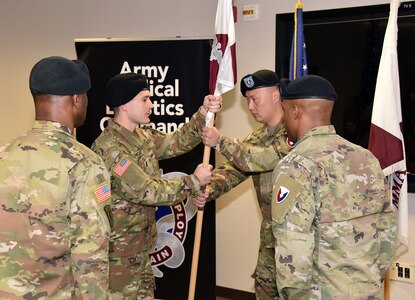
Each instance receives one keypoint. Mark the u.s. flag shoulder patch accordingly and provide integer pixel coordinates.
(102, 193)
(122, 166)
(284, 194)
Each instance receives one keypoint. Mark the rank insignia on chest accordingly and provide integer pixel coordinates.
(282, 194)
(102, 193)
(122, 167)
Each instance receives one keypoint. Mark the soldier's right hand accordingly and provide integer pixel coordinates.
(203, 173)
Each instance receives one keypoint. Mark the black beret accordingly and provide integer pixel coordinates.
(259, 79)
(57, 75)
(122, 88)
(310, 86)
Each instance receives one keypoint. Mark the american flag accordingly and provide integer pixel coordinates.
(122, 166)
(102, 193)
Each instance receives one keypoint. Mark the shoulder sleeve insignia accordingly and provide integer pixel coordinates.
(282, 194)
(102, 193)
(122, 166)
(285, 192)
(290, 143)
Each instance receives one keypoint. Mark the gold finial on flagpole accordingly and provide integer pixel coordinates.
(299, 4)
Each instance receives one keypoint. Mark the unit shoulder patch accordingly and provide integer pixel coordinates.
(284, 193)
(290, 143)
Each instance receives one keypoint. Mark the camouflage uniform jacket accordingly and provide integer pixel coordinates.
(54, 230)
(334, 226)
(137, 189)
(260, 152)
(251, 155)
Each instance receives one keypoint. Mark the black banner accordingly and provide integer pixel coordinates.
(178, 75)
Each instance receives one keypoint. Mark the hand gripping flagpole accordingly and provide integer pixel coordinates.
(210, 117)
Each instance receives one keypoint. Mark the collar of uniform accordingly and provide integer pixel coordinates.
(275, 129)
(321, 130)
(131, 137)
(50, 125)
(266, 132)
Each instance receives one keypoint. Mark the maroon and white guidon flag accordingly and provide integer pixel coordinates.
(386, 139)
(223, 55)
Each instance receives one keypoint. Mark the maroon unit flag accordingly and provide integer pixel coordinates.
(223, 55)
(386, 138)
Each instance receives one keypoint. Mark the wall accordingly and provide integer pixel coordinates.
(33, 29)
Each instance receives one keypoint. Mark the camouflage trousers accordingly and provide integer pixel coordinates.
(131, 277)
(264, 275)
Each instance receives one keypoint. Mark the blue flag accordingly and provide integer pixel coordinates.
(298, 57)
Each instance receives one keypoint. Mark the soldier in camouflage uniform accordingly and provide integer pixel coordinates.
(255, 156)
(333, 224)
(132, 154)
(54, 196)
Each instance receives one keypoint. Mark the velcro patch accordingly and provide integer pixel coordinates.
(122, 166)
(284, 193)
(100, 178)
(102, 193)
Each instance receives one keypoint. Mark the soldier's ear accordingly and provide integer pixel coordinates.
(276, 95)
(296, 111)
(76, 100)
